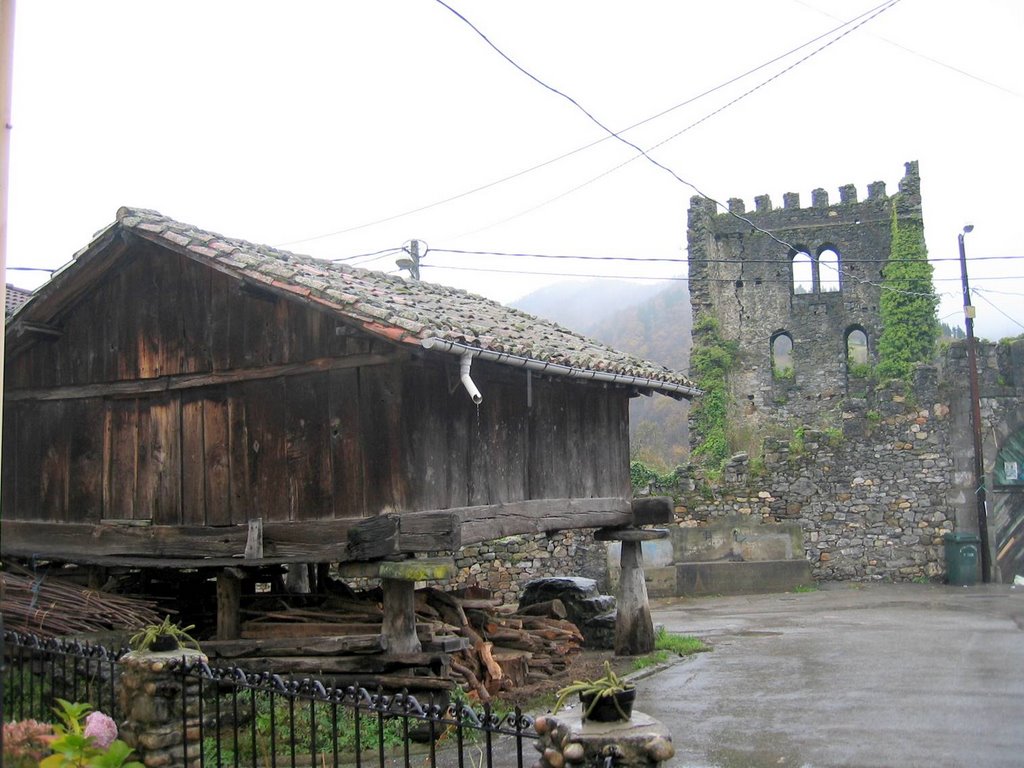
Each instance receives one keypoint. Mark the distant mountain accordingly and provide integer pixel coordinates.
(582, 304)
(650, 321)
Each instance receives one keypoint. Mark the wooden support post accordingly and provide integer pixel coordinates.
(229, 600)
(634, 628)
(398, 580)
(399, 625)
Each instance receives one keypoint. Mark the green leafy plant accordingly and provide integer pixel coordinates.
(710, 362)
(796, 443)
(77, 747)
(682, 645)
(801, 588)
(784, 374)
(834, 436)
(909, 326)
(859, 370)
(657, 657)
(144, 639)
(642, 475)
(602, 688)
(279, 721)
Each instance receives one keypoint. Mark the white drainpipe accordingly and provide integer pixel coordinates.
(467, 352)
(467, 382)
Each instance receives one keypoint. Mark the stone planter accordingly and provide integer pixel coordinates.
(608, 709)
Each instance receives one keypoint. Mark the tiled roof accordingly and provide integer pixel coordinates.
(15, 298)
(404, 311)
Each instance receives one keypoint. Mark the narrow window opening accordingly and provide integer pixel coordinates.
(803, 273)
(858, 359)
(782, 356)
(829, 274)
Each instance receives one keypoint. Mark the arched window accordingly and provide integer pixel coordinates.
(857, 347)
(782, 355)
(803, 272)
(829, 275)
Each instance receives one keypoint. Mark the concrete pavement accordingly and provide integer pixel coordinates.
(850, 675)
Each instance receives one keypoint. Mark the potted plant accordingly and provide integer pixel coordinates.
(166, 636)
(605, 699)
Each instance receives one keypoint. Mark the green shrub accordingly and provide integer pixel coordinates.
(710, 362)
(908, 302)
(859, 370)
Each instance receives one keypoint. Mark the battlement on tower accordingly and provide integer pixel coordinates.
(797, 288)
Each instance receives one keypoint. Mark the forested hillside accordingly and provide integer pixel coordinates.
(651, 321)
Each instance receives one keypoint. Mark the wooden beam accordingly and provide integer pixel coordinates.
(496, 521)
(407, 532)
(254, 540)
(309, 541)
(439, 531)
(195, 380)
(229, 598)
(289, 646)
(653, 510)
(373, 538)
(630, 534)
(316, 541)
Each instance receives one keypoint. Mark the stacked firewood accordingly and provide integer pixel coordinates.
(51, 606)
(472, 640)
(507, 648)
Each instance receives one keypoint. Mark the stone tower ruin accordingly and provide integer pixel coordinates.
(801, 303)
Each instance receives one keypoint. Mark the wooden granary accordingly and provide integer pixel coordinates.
(176, 398)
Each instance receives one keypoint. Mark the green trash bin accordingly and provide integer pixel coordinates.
(962, 558)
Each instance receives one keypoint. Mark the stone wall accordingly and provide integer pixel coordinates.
(872, 499)
(505, 565)
(744, 279)
(875, 493)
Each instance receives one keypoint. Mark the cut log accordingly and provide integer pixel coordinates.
(471, 680)
(552, 608)
(514, 664)
(493, 668)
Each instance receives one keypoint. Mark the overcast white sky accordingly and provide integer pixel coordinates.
(276, 122)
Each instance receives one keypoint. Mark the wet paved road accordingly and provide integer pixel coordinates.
(881, 675)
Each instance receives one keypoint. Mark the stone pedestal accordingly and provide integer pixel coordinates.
(566, 741)
(398, 581)
(634, 628)
(162, 717)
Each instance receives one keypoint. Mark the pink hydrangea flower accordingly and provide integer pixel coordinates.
(101, 728)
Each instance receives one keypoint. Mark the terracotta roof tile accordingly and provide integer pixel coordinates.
(15, 298)
(407, 311)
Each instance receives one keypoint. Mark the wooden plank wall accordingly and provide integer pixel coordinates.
(318, 445)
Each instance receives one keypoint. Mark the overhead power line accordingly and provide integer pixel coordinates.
(879, 10)
(684, 259)
(644, 153)
(920, 55)
(572, 152)
(764, 280)
(981, 293)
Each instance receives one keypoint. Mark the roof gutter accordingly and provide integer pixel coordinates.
(555, 369)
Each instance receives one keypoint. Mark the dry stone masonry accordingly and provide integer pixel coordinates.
(874, 475)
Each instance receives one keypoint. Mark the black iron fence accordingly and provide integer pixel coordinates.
(250, 719)
(38, 671)
(232, 717)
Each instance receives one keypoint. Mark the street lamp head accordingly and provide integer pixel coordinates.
(968, 228)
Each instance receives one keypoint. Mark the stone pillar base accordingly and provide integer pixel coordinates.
(566, 741)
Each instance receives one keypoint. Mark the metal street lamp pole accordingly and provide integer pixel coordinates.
(972, 364)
